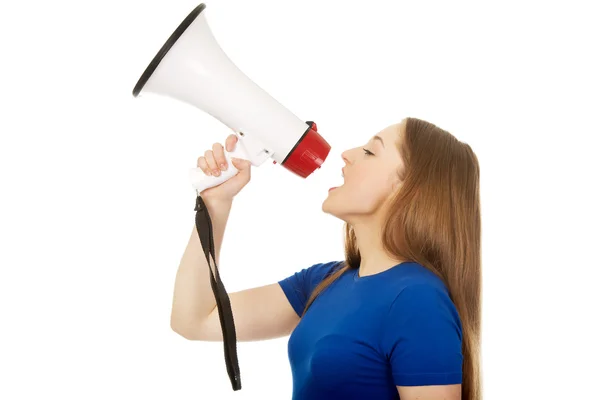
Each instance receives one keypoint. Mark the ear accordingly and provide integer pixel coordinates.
(396, 183)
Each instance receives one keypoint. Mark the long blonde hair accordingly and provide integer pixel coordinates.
(435, 220)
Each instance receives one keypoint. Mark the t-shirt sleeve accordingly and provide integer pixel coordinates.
(422, 338)
(300, 285)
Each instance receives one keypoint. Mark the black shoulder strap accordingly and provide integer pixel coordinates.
(205, 232)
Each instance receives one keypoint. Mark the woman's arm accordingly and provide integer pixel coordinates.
(193, 299)
(259, 313)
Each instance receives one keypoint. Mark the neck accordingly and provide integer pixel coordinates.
(373, 257)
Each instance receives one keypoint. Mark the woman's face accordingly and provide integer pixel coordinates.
(370, 177)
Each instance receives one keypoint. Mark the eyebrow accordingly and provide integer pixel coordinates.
(380, 139)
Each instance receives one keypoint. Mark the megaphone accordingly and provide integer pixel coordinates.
(191, 67)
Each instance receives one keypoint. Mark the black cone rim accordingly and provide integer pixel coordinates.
(166, 47)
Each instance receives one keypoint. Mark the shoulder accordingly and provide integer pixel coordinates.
(298, 286)
(422, 334)
(414, 274)
(316, 272)
(421, 290)
(320, 271)
(423, 296)
(422, 301)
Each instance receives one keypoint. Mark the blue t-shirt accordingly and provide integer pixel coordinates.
(364, 335)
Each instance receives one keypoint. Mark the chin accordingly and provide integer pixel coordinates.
(351, 210)
(325, 206)
(329, 207)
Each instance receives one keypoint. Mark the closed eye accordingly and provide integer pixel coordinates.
(367, 152)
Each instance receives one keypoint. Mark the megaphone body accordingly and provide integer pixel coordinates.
(191, 67)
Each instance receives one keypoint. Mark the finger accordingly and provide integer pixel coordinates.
(210, 160)
(240, 164)
(230, 142)
(219, 154)
(203, 165)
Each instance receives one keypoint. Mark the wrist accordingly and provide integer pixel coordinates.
(218, 205)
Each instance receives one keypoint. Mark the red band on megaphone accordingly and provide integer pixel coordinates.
(308, 154)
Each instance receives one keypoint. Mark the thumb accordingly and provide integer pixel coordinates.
(240, 164)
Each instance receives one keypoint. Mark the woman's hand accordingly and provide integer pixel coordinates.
(213, 163)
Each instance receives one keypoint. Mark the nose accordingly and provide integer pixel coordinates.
(346, 157)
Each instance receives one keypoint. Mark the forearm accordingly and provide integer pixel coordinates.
(193, 299)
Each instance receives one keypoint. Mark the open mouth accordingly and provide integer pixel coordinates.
(335, 187)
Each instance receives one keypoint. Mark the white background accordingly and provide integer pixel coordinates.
(96, 208)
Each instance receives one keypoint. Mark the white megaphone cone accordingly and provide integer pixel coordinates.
(191, 67)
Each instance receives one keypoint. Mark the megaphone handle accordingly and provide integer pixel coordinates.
(201, 181)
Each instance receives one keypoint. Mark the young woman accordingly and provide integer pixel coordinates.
(399, 317)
